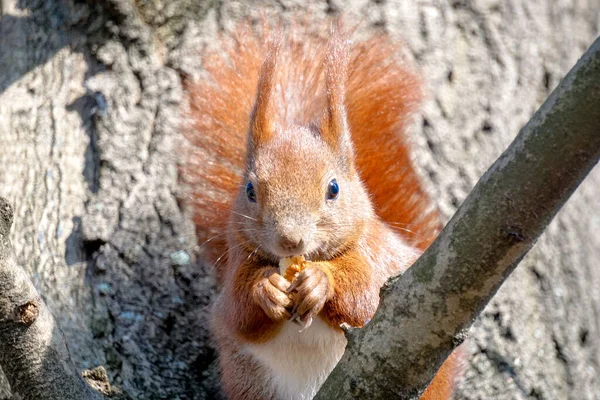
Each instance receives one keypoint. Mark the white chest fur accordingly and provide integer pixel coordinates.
(300, 361)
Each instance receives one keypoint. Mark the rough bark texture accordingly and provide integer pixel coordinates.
(33, 352)
(90, 99)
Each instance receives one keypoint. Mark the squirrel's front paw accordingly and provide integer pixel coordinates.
(271, 294)
(310, 290)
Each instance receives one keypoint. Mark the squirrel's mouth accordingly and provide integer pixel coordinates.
(283, 249)
(278, 252)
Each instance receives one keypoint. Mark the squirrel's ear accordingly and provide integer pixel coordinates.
(262, 120)
(334, 127)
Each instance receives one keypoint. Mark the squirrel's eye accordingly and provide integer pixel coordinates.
(250, 193)
(333, 190)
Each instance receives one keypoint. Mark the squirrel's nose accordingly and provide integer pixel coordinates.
(291, 242)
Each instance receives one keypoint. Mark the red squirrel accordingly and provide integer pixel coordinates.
(300, 149)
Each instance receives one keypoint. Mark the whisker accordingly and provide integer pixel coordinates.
(243, 215)
(398, 223)
(254, 252)
(228, 250)
(398, 228)
(393, 226)
(338, 241)
(211, 238)
(225, 233)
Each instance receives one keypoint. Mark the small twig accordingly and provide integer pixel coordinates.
(425, 313)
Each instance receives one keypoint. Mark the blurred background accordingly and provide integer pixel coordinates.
(91, 104)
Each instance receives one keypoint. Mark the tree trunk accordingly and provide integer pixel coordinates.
(90, 101)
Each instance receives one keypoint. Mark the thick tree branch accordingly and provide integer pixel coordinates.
(425, 313)
(33, 354)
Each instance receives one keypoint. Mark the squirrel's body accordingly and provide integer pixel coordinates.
(298, 362)
(326, 173)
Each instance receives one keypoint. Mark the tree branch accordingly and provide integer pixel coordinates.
(33, 353)
(426, 313)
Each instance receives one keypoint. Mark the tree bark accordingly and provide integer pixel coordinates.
(33, 352)
(90, 96)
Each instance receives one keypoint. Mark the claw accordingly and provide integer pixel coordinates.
(306, 323)
(293, 286)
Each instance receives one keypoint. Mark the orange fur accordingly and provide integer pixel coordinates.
(380, 96)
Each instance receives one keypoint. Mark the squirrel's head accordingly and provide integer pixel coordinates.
(301, 194)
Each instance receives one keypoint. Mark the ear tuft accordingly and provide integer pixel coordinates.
(263, 118)
(334, 128)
